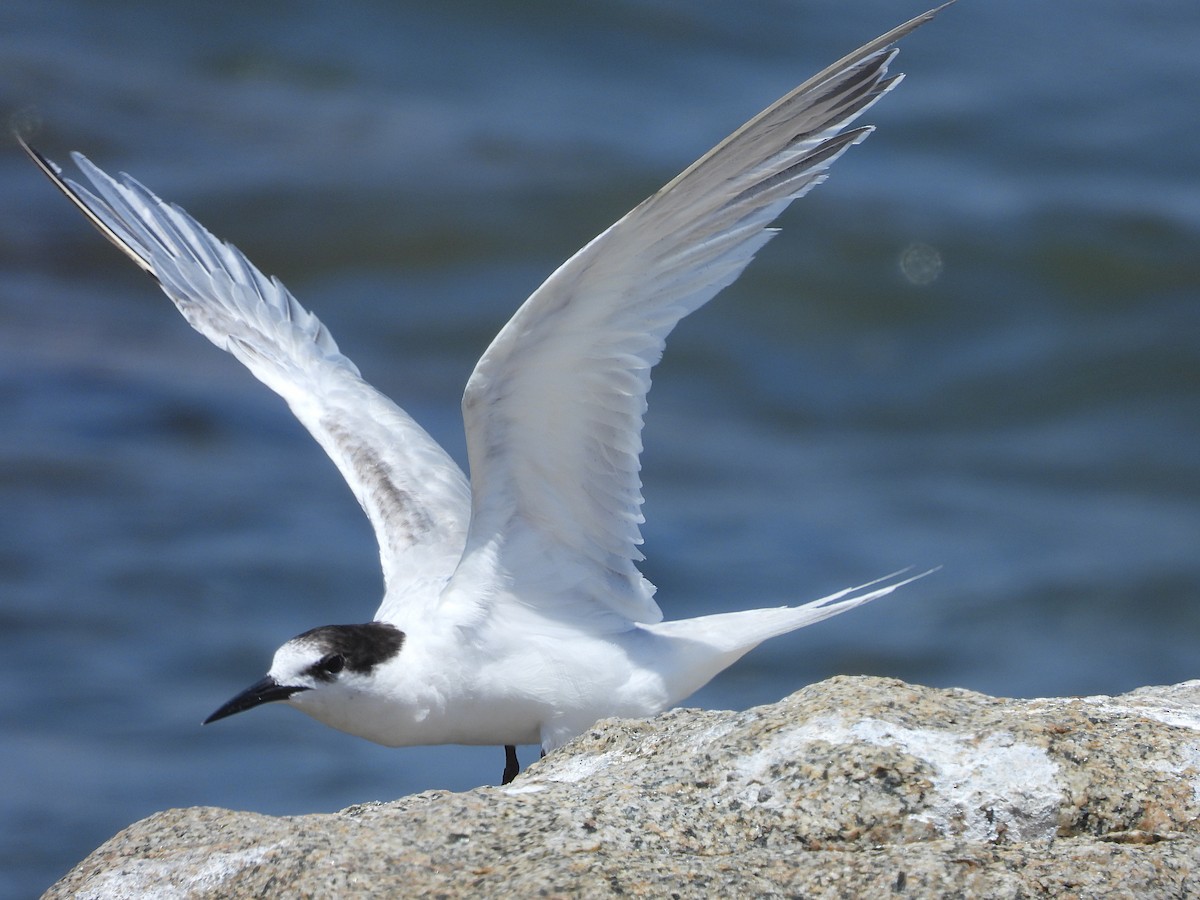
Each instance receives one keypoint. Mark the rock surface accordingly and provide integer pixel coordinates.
(854, 787)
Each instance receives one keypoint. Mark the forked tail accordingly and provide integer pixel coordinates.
(708, 644)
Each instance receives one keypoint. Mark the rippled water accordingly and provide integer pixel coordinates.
(975, 347)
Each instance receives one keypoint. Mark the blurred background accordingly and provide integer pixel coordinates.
(975, 347)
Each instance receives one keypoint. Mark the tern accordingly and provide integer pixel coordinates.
(513, 611)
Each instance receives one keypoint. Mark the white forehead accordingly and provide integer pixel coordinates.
(294, 657)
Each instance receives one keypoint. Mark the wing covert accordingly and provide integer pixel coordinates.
(554, 408)
(415, 496)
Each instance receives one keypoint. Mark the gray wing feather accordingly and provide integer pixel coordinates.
(415, 496)
(554, 408)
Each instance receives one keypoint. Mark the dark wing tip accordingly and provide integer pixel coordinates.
(52, 171)
(20, 134)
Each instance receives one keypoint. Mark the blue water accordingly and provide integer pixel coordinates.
(1028, 419)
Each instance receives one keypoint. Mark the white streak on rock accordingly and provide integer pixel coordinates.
(159, 878)
(986, 788)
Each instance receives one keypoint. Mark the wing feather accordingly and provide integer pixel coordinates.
(554, 408)
(415, 496)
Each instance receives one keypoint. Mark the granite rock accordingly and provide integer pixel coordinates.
(854, 787)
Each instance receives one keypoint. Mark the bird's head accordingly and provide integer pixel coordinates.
(320, 666)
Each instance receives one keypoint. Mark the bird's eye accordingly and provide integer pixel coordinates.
(332, 664)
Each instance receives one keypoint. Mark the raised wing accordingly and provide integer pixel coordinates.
(416, 497)
(554, 408)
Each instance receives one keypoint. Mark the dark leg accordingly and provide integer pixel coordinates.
(511, 766)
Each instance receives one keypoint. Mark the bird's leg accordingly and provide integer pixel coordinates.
(511, 766)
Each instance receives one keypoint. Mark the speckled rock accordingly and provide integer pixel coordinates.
(855, 787)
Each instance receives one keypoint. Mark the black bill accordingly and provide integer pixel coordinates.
(266, 691)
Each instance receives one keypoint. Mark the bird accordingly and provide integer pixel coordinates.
(514, 612)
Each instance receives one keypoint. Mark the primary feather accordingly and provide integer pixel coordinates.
(414, 494)
(554, 408)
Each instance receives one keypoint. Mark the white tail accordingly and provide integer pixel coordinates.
(735, 634)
